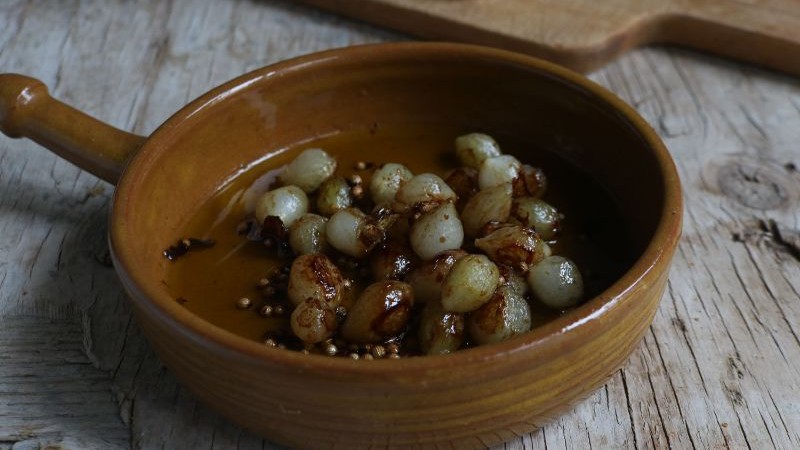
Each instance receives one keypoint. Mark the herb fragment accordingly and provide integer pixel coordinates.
(184, 245)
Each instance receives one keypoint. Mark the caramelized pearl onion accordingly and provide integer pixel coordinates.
(427, 279)
(464, 182)
(505, 315)
(314, 276)
(440, 331)
(313, 321)
(514, 246)
(393, 261)
(381, 312)
(531, 182)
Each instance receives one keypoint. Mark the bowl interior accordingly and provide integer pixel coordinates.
(260, 114)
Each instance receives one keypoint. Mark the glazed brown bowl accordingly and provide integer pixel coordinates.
(470, 399)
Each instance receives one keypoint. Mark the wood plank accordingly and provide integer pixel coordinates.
(50, 394)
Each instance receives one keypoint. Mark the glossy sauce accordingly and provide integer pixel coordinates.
(209, 281)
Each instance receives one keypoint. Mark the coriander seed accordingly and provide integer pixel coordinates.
(243, 303)
(265, 311)
(378, 351)
(331, 350)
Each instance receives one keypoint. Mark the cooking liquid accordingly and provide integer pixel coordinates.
(209, 281)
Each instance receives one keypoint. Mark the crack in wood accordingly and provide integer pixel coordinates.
(630, 408)
(790, 246)
(768, 231)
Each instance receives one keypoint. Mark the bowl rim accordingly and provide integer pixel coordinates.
(158, 302)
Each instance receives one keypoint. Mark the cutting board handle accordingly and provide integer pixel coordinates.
(764, 34)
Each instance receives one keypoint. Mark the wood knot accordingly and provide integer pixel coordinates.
(734, 394)
(735, 367)
(755, 184)
(679, 324)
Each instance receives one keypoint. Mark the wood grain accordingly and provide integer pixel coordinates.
(585, 34)
(719, 368)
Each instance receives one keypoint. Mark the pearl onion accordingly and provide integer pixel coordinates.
(386, 181)
(424, 188)
(531, 182)
(489, 205)
(334, 194)
(313, 321)
(393, 261)
(315, 276)
(350, 232)
(307, 234)
(505, 315)
(514, 246)
(556, 282)
(309, 169)
(537, 214)
(469, 284)
(427, 279)
(437, 231)
(464, 181)
(440, 332)
(472, 149)
(287, 203)
(498, 170)
(381, 312)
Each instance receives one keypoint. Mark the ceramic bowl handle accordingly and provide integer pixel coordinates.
(27, 110)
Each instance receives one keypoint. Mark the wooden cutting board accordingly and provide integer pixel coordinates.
(585, 34)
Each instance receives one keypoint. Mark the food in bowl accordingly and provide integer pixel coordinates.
(379, 253)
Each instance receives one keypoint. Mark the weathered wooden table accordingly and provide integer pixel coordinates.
(719, 368)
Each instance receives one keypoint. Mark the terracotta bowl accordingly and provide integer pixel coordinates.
(471, 399)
